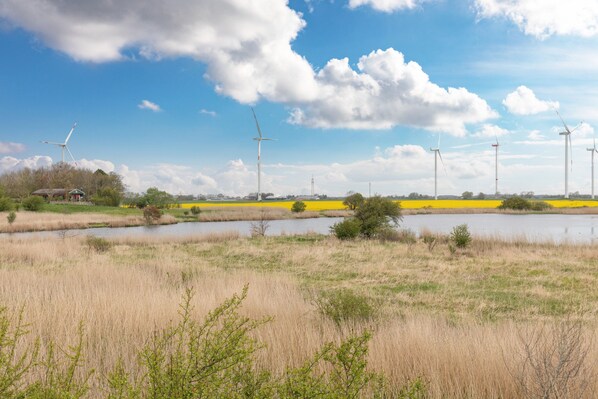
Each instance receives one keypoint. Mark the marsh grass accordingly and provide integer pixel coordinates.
(447, 320)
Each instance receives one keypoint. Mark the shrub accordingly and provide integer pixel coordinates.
(353, 201)
(404, 236)
(151, 214)
(516, 203)
(107, 196)
(195, 210)
(344, 305)
(6, 204)
(298, 207)
(11, 217)
(460, 236)
(540, 205)
(348, 229)
(377, 213)
(98, 244)
(430, 240)
(33, 203)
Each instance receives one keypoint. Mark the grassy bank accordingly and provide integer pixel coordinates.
(457, 320)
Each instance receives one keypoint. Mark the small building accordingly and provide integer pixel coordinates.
(60, 194)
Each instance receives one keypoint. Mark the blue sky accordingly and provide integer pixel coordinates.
(353, 91)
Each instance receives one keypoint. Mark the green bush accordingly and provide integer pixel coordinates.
(107, 197)
(6, 204)
(540, 206)
(11, 217)
(516, 203)
(33, 203)
(298, 207)
(348, 229)
(98, 244)
(195, 210)
(344, 305)
(460, 236)
(377, 213)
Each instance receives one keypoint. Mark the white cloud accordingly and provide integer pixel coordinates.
(9, 147)
(95, 164)
(523, 101)
(536, 135)
(246, 46)
(545, 18)
(146, 104)
(10, 164)
(208, 112)
(386, 5)
(387, 91)
(491, 131)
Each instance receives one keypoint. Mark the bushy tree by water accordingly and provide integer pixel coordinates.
(377, 213)
(353, 201)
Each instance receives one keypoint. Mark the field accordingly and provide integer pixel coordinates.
(459, 321)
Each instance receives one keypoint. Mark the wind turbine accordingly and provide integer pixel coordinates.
(259, 159)
(593, 150)
(437, 154)
(567, 134)
(63, 146)
(496, 167)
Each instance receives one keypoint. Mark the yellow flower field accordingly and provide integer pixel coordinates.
(326, 205)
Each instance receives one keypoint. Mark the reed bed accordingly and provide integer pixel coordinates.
(424, 330)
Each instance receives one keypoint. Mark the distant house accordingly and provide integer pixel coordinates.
(60, 194)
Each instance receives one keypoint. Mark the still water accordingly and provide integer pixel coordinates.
(556, 228)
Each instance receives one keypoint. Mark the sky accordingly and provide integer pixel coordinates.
(352, 92)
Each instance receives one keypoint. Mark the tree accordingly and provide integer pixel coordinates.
(353, 201)
(481, 196)
(467, 195)
(155, 197)
(377, 213)
(33, 203)
(107, 196)
(298, 207)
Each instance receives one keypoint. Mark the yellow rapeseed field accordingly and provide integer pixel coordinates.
(325, 205)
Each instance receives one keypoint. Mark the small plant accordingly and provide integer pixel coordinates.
(298, 207)
(186, 213)
(344, 305)
(516, 203)
(11, 217)
(33, 203)
(195, 210)
(460, 236)
(98, 244)
(151, 214)
(430, 240)
(260, 226)
(348, 229)
(540, 206)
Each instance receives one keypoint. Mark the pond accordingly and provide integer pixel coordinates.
(556, 228)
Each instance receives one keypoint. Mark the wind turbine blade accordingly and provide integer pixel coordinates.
(256, 123)
(442, 162)
(70, 133)
(576, 127)
(438, 146)
(561, 118)
(71, 154)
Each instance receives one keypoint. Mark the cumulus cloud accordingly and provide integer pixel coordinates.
(386, 5)
(545, 18)
(246, 46)
(490, 131)
(146, 104)
(523, 101)
(11, 164)
(9, 147)
(95, 164)
(387, 91)
(536, 135)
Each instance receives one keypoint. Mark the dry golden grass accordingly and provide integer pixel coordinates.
(224, 214)
(43, 221)
(124, 294)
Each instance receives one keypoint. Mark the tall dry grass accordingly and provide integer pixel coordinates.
(45, 221)
(229, 213)
(124, 294)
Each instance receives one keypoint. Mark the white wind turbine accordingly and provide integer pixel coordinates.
(496, 166)
(593, 150)
(259, 158)
(437, 154)
(567, 134)
(63, 146)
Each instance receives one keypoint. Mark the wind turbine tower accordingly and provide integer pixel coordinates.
(259, 159)
(567, 134)
(313, 192)
(437, 154)
(496, 167)
(593, 150)
(63, 146)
